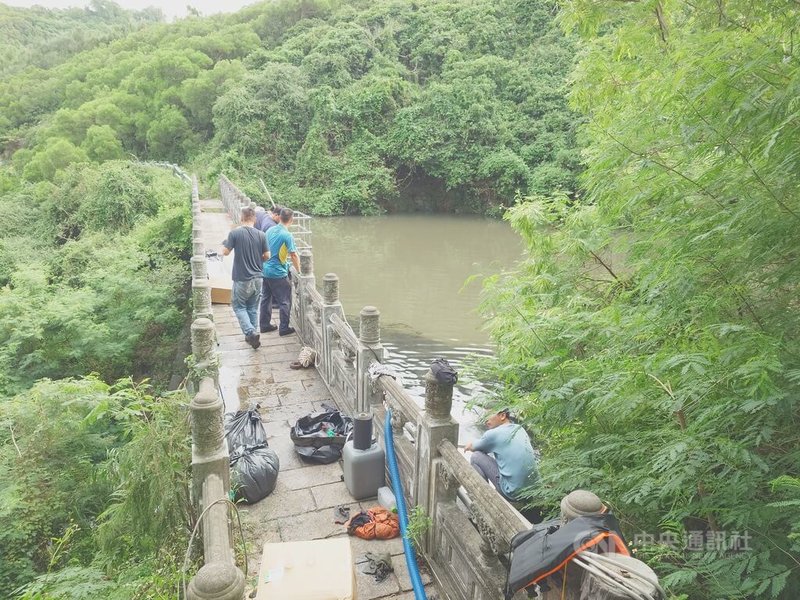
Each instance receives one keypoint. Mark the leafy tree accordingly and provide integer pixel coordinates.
(101, 143)
(651, 337)
(56, 154)
(169, 135)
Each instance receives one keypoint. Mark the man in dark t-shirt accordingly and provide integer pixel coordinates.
(273, 217)
(249, 247)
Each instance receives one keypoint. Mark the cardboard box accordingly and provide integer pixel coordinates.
(219, 276)
(314, 570)
(220, 291)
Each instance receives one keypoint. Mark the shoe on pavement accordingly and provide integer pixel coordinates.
(253, 339)
(287, 331)
(268, 328)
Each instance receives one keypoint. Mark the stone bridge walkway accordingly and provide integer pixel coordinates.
(302, 505)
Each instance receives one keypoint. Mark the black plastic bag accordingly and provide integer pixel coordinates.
(319, 437)
(323, 455)
(254, 467)
(244, 428)
(254, 471)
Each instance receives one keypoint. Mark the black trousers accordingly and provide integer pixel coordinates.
(275, 292)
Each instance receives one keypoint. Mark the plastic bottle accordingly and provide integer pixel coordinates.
(386, 498)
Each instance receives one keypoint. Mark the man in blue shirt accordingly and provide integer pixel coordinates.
(277, 289)
(514, 465)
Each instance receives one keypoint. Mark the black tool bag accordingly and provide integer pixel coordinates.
(319, 437)
(545, 549)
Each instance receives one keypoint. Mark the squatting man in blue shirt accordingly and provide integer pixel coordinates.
(514, 464)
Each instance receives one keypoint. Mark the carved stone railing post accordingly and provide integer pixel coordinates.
(203, 356)
(369, 350)
(436, 425)
(331, 306)
(580, 503)
(199, 267)
(303, 282)
(219, 578)
(201, 299)
(209, 448)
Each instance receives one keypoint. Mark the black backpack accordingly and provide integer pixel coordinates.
(443, 372)
(545, 549)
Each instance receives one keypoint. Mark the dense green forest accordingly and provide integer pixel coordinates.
(39, 38)
(343, 107)
(652, 338)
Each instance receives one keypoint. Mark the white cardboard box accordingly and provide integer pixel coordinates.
(313, 570)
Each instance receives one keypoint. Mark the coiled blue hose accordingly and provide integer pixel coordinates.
(397, 487)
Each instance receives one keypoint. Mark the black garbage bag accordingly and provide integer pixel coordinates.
(254, 471)
(323, 455)
(319, 437)
(244, 428)
(254, 467)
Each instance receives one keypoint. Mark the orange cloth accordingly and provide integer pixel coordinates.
(380, 525)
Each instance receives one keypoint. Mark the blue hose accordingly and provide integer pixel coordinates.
(397, 487)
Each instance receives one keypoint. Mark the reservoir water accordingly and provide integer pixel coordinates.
(424, 273)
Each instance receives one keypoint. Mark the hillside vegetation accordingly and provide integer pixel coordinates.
(38, 38)
(343, 107)
(649, 339)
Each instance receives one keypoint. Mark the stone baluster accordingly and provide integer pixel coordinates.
(304, 282)
(331, 306)
(219, 578)
(436, 425)
(205, 359)
(580, 503)
(209, 447)
(201, 299)
(199, 267)
(370, 350)
(201, 289)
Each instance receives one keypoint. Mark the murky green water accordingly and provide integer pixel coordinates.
(424, 273)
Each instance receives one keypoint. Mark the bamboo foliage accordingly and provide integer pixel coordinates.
(651, 338)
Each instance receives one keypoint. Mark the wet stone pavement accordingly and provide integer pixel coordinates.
(302, 505)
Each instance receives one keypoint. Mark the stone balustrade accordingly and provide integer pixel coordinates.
(233, 199)
(467, 546)
(430, 465)
(219, 578)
